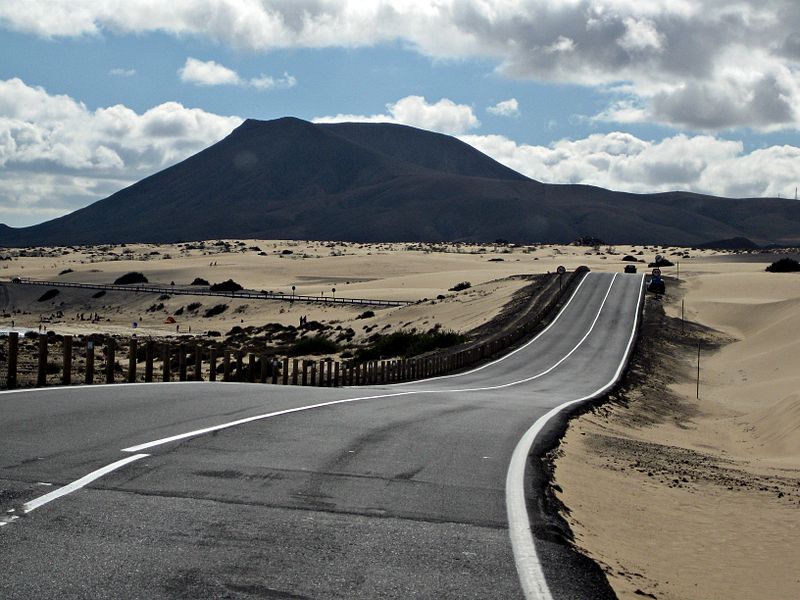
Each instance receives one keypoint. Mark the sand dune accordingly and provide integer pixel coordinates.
(699, 499)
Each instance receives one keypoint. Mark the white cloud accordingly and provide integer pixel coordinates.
(677, 58)
(266, 82)
(210, 73)
(120, 72)
(621, 161)
(56, 155)
(506, 108)
(444, 116)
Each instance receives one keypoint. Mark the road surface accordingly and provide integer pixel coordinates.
(215, 490)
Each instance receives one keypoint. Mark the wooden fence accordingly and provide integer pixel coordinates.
(64, 360)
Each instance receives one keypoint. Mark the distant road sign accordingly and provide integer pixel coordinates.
(656, 272)
(561, 270)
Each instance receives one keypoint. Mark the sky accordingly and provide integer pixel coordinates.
(633, 95)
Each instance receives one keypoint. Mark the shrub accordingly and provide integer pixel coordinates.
(215, 310)
(629, 258)
(178, 312)
(65, 271)
(199, 281)
(193, 306)
(132, 277)
(99, 294)
(407, 343)
(313, 345)
(367, 314)
(464, 285)
(163, 297)
(226, 286)
(784, 265)
(661, 263)
(49, 295)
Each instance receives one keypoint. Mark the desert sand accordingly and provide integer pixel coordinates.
(685, 498)
(378, 271)
(676, 498)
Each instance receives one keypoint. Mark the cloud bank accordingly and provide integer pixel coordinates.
(211, 73)
(444, 116)
(699, 64)
(56, 155)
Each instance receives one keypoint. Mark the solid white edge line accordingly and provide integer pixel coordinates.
(513, 352)
(502, 358)
(83, 388)
(196, 432)
(529, 568)
(549, 369)
(79, 483)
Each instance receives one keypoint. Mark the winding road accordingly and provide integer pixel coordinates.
(221, 490)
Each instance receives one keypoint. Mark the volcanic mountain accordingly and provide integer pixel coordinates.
(291, 179)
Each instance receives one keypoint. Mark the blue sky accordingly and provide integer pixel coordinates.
(96, 94)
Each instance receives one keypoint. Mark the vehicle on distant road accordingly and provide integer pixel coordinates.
(630, 268)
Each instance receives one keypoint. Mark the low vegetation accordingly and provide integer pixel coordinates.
(226, 286)
(199, 281)
(313, 345)
(464, 285)
(132, 277)
(215, 310)
(409, 343)
(49, 295)
(784, 265)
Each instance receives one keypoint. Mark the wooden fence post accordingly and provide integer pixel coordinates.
(275, 363)
(294, 371)
(251, 367)
(285, 371)
(89, 361)
(41, 378)
(132, 360)
(198, 362)
(336, 374)
(182, 362)
(13, 350)
(148, 360)
(226, 365)
(212, 363)
(239, 365)
(110, 359)
(304, 378)
(165, 358)
(321, 379)
(264, 368)
(66, 377)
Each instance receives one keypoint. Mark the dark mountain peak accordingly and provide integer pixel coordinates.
(289, 178)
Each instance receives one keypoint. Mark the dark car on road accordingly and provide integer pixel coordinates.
(630, 268)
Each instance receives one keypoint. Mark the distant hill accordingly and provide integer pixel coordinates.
(292, 179)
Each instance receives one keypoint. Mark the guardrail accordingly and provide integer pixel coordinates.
(184, 291)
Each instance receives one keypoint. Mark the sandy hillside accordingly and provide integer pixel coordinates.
(379, 271)
(680, 498)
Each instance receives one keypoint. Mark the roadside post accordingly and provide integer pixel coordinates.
(66, 378)
(41, 379)
(13, 349)
(560, 270)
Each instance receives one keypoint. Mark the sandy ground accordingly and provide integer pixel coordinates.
(680, 498)
(378, 271)
(676, 498)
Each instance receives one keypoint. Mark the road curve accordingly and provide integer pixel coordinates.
(200, 490)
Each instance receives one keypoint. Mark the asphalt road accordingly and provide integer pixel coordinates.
(400, 494)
